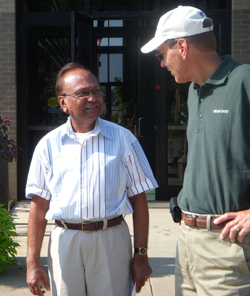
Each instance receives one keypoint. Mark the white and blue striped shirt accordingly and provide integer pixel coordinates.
(89, 180)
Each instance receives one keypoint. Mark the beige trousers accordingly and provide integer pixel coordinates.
(206, 265)
(93, 263)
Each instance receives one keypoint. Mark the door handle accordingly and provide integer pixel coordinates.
(139, 130)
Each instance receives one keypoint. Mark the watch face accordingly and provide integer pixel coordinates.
(143, 251)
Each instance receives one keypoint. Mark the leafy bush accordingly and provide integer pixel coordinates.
(8, 148)
(7, 245)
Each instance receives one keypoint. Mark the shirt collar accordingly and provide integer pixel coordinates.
(100, 127)
(103, 128)
(221, 73)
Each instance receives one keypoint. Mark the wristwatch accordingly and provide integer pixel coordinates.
(141, 251)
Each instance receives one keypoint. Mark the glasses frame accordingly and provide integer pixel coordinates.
(159, 56)
(75, 95)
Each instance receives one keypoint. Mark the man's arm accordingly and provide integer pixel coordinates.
(140, 267)
(36, 229)
(237, 225)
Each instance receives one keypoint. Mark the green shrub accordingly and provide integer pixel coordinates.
(7, 245)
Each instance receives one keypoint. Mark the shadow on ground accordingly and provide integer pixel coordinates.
(15, 276)
(162, 266)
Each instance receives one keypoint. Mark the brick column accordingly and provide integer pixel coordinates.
(8, 78)
(241, 31)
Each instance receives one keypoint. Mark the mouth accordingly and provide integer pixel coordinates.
(91, 107)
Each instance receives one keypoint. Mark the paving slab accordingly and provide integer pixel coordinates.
(162, 245)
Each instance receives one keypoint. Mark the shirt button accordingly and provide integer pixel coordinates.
(200, 115)
(201, 99)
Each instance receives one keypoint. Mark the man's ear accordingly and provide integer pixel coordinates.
(63, 103)
(183, 47)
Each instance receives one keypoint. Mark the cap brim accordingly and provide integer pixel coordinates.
(153, 44)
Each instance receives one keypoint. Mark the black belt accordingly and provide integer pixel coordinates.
(90, 226)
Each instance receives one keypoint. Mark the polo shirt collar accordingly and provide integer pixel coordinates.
(221, 73)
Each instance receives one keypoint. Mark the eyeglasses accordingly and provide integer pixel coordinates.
(85, 93)
(159, 56)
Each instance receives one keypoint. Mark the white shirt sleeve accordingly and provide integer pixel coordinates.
(39, 173)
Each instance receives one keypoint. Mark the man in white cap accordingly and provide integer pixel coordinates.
(213, 253)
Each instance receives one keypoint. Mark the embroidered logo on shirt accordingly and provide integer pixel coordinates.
(220, 111)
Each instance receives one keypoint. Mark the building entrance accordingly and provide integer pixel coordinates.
(138, 94)
(111, 49)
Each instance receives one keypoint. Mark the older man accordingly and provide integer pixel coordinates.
(86, 175)
(213, 254)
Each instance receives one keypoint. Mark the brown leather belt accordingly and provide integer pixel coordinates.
(200, 221)
(92, 226)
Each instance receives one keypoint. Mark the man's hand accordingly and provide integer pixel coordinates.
(36, 229)
(238, 225)
(141, 270)
(34, 276)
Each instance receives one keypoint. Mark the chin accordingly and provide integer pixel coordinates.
(178, 80)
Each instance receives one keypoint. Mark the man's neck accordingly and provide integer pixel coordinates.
(206, 64)
(82, 127)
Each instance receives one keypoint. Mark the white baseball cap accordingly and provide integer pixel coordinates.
(182, 21)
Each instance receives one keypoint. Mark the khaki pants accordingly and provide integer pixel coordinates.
(93, 263)
(207, 265)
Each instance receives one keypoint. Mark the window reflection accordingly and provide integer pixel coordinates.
(111, 42)
(110, 67)
(103, 68)
(115, 66)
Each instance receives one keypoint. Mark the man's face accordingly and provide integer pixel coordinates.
(173, 61)
(82, 110)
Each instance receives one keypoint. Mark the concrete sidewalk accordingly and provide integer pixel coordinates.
(162, 244)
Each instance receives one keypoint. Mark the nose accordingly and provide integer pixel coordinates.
(163, 64)
(91, 97)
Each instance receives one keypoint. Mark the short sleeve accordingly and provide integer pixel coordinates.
(140, 177)
(39, 173)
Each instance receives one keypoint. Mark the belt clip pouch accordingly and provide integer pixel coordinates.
(175, 210)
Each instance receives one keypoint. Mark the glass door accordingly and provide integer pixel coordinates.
(119, 68)
(48, 48)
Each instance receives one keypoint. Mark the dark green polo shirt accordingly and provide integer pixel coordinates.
(218, 168)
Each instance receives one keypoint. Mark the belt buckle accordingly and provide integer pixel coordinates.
(84, 223)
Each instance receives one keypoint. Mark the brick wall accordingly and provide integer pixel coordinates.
(8, 77)
(241, 30)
